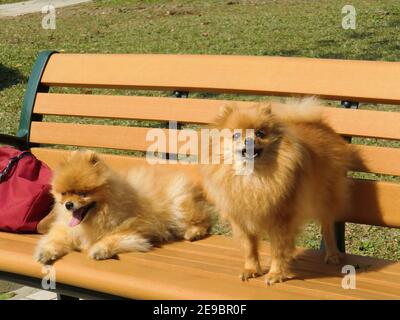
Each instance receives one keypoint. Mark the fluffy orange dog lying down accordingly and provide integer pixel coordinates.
(104, 213)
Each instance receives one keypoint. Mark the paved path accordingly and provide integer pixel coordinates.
(8, 286)
(27, 293)
(25, 7)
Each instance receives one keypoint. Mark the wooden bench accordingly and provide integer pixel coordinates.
(206, 269)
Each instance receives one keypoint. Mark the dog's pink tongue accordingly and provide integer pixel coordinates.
(74, 222)
(76, 218)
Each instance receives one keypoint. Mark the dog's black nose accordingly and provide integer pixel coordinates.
(69, 205)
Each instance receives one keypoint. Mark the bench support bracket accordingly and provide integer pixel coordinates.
(176, 94)
(34, 86)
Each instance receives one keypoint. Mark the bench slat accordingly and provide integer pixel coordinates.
(52, 157)
(200, 273)
(375, 203)
(377, 159)
(369, 123)
(128, 107)
(364, 123)
(373, 81)
(114, 137)
(380, 159)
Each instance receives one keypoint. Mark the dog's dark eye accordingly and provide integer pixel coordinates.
(260, 134)
(236, 135)
(82, 194)
(63, 193)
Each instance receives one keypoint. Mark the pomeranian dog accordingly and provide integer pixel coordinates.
(299, 167)
(105, 214)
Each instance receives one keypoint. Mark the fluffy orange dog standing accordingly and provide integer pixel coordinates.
(299, 173)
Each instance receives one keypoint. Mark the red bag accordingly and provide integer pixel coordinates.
(25, 197)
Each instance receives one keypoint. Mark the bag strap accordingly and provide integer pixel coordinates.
(11, 164)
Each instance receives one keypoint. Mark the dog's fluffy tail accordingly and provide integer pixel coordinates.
(299, 109)
(134, 242)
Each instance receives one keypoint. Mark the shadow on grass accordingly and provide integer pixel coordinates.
(10, 77)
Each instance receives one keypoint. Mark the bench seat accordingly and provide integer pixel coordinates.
(205, 269)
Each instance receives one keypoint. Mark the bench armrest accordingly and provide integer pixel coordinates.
(12, 140)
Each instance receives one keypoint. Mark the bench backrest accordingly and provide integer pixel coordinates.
(376, 202)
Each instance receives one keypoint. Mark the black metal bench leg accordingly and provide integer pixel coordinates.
(65, 297)
(340, 228)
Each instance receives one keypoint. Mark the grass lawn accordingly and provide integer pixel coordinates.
(285, 28)
(5, 296)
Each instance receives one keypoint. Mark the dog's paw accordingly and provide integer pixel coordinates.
(100, 252)
(334, 258)
(274, 277)
(47, 254)
(195, 233)
(250, 273)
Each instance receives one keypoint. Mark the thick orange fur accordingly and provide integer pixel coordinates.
(129, 213)
(300, 174)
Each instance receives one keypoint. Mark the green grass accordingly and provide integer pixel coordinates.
(285, 28)
(5, 296)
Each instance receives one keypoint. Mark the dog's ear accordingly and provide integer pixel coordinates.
(72, 154)
(94, 158)
(89, 156)
(66, 159)
(265, 108)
